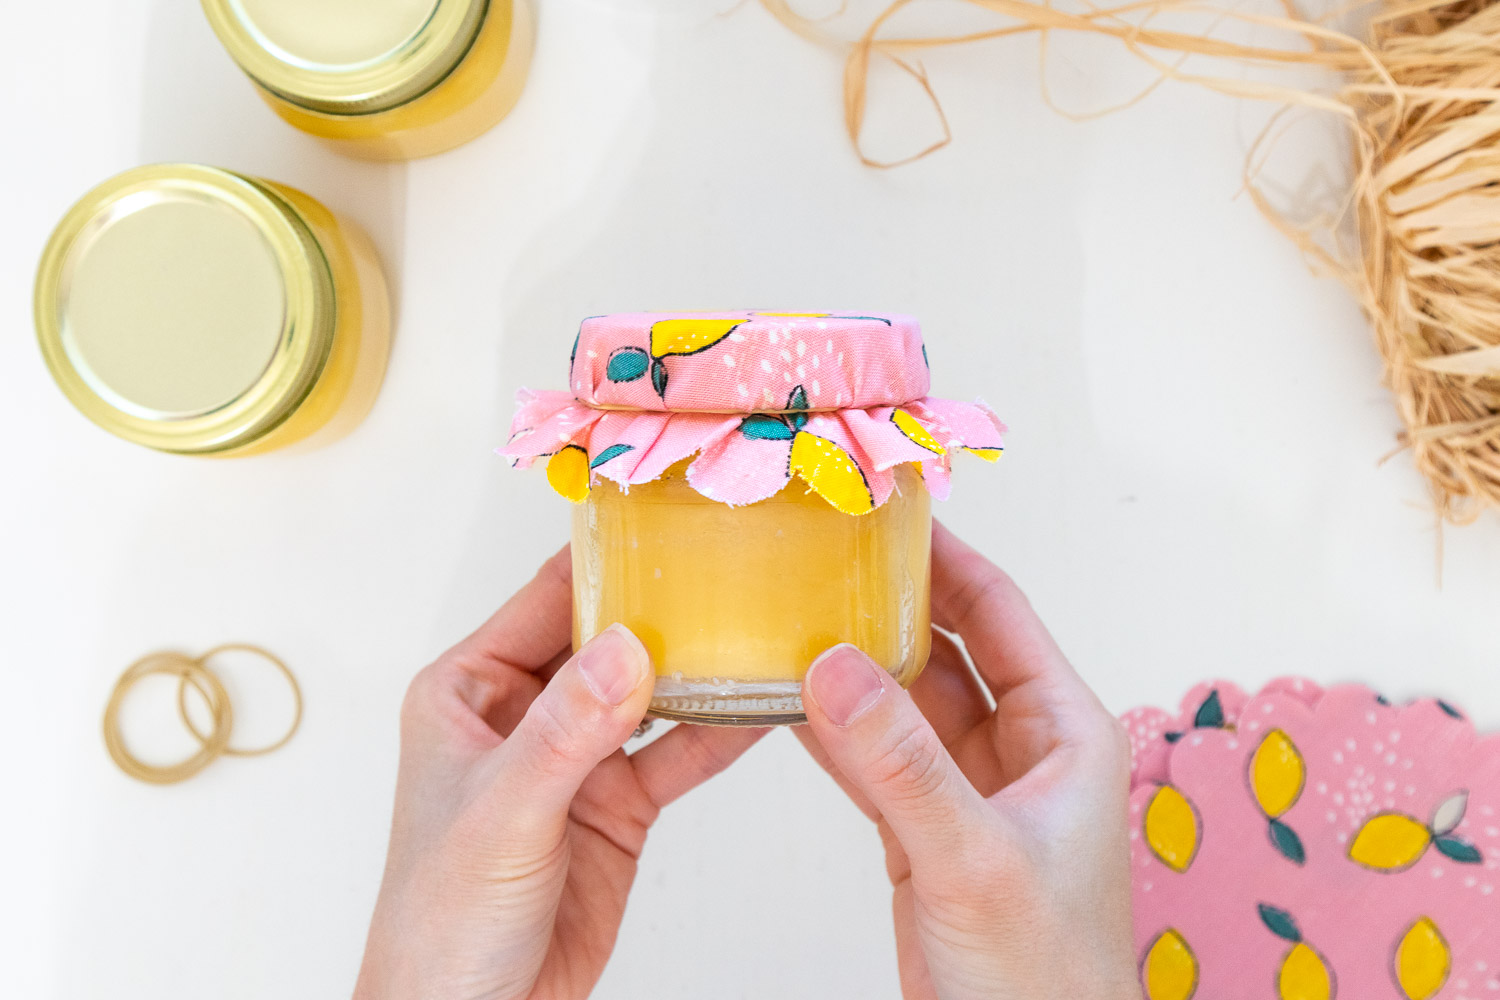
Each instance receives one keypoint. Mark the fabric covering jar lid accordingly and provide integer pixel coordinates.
(836, 398)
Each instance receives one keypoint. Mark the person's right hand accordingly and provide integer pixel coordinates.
(1004, 826)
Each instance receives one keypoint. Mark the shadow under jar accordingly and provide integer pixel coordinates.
(739, 545)
(382, 79)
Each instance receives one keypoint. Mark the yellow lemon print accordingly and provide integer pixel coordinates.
(988, 454)
(1303, 976)
(1170, 971)
(688, 336)
(568, 472)
(830, 471)
(919, 435)
(1422, 960)
(1389, 842)
(1277, 774)
(1171, 828)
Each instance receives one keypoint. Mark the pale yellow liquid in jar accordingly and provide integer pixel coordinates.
(733, 604)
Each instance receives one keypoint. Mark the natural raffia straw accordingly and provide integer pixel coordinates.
(1421, 96)
(214, 743)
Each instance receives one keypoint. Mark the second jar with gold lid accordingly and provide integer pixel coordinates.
(382, 79)
(203, 312)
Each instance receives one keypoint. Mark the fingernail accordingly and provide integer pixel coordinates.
(613, 664)
(845, 683)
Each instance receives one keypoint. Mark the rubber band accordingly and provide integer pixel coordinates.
(230, 751)
(195, 673)
(212, 745)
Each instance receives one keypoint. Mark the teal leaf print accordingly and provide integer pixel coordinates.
(627, 364)
(1210, 713)
(613, 451)
(763, 427)
(1280, 922)
(1449, 709)
(1285, 840)
(797, 400)
(1458, 850)
(659, 377)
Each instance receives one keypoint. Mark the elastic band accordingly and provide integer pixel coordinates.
(275, 661)
(197, 674)
(212, 745)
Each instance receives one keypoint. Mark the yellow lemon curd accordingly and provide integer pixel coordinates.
(734, 603)
(355, 368)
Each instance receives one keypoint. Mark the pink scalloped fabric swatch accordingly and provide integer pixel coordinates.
(1309, 844)
(837, 399)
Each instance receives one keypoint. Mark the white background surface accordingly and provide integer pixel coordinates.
(1191, 487)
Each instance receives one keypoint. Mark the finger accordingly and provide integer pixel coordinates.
(1010, 645)
(688, 756)
(879, 739)
(585, 714)
(948, 691)
(532, 627)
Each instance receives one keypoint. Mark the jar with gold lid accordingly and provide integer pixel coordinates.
(751, 488)
(382, 79)
(198, 311)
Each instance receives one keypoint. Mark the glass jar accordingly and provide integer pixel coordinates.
(382, 79)
(734, 603)
(198, 311)
(752, 488)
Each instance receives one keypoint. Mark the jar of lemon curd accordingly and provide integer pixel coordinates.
(751, 488)
(382, 79)
(202, 312)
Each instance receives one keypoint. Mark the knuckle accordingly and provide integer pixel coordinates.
(980, 589)
(910, 766)
(551, 735)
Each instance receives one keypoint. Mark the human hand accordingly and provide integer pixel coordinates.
(518, 817)
(1004, 827)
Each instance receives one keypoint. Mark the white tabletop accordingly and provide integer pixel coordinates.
(1192, 487)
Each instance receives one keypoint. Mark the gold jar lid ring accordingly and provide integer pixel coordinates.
(349, 57)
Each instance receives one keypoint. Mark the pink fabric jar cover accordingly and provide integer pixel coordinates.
(756, 396)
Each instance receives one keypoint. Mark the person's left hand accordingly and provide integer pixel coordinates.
(518, 817)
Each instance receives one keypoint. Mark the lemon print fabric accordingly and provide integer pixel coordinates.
(1303, 974)
(669, 338)
(919, 435)
(1422, 961)
(568, 473)
(1394, 841)
(831, 473)
(751, 400)
(1277, 776)
(1172, 828)
(1170, 969)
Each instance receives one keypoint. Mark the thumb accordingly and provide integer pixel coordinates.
(585, 713)
(879, 739)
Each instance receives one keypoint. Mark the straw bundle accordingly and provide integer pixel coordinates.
(1421, 95)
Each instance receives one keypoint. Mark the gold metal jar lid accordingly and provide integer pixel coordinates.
(347, 56)
(185, 308)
